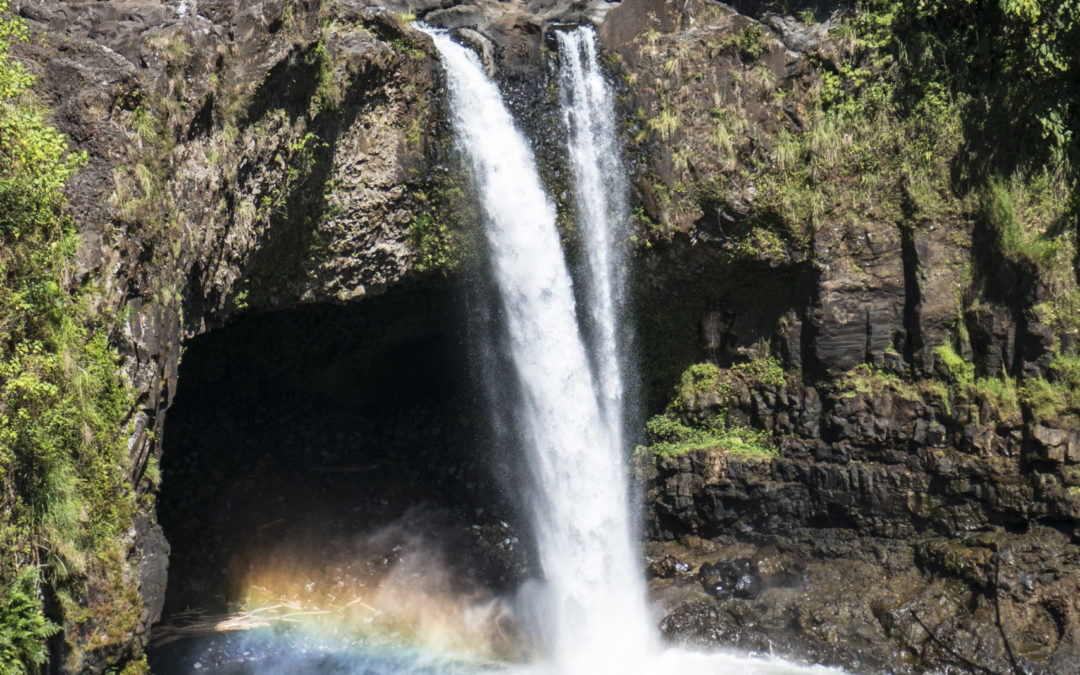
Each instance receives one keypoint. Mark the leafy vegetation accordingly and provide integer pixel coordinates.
(748, 43)
(954, 113)
(1057, 396)
(1015, 60)
(64, 470)
(927, 104)
(23, 626)
(959, 370)
(702, 379)
(866, 379)
(670, 437)
(432, 240)
(681, 428)
(443, 224)
(859, 156)
(1001, 394)
(698, 380)
(761, 371)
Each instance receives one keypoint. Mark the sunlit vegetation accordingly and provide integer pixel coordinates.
(64, 473)
(686, 426)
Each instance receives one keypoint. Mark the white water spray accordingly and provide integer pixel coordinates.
(594, 598)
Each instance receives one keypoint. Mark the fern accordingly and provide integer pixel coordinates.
(23, 627)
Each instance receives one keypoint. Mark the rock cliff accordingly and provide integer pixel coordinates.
(916, 509)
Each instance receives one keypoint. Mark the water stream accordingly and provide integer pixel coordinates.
(594, 599)
(601, 215)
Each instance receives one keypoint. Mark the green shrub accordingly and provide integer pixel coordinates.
(433, 243)
(708, 378)
(697, 380)
(23, 626)
(761, 371)
(668, 437)
(751, 42)
(762, 244)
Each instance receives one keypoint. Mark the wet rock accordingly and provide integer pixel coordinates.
(661, 568)
(458, 16)
(772, 568)
(730, 578)
(152, 568)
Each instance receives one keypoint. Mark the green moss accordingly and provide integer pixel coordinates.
(866, 379)
(1001, 394)
(670, 435)
(1055, 398)
(696, 381)
(960, 372)
(137, 667)
(701, 379)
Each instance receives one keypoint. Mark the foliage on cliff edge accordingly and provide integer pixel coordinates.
(65, 493)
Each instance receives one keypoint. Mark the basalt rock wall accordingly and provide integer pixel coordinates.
(915, 506)
(251, 156)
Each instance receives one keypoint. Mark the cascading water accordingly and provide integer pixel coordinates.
(594, 603)
(600, 191)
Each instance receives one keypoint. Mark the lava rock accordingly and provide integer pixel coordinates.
(773, 569)
(731, 578)
(662, 568)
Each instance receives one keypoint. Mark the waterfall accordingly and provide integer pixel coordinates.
(602, 216)
(593, 599)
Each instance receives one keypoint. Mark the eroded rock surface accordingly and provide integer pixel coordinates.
(249, 156)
